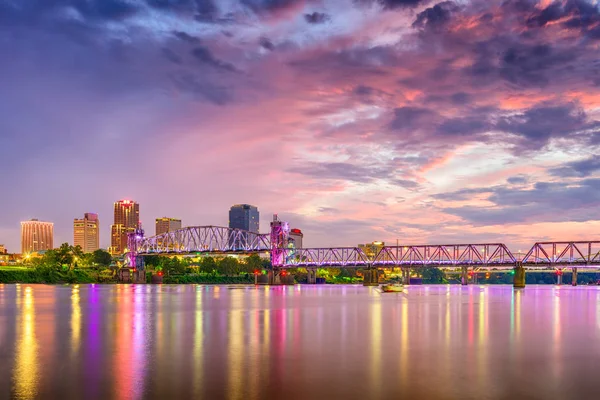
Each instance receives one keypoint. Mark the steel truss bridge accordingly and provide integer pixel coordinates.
(222, 240)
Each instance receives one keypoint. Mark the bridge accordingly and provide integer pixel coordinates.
(222, 240)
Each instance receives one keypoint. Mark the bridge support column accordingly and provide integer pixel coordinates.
(406, 276)
(464, 278)
(311, 277)
(519, 279)
(274, 277)
(574, 277)
(371, 277)
(559, 277)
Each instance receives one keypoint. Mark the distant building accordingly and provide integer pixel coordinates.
(164, 225)
(126, 220)
(244, 216)
(3, 249)
(86, 232)
(371, 249)
(36, 236)
(296, 236)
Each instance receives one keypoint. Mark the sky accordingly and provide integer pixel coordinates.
(354, 120)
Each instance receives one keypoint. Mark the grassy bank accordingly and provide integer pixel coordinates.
(19, 275)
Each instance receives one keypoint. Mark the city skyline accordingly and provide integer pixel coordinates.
(427, 122)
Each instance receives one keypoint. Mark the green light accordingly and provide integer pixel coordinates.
(512, 272)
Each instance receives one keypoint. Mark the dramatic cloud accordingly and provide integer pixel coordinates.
(582, 168)
(418, 120)
(316, 18)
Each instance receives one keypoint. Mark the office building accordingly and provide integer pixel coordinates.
(86, 232)
(36, 236)
(3, 249)
(164, 225)
(244, 216)
(126, 220)
(296, 237)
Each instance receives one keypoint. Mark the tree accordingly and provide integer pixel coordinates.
(229, 266)
(433, 275)
(64, 255)
(173, 265)
(102, 258)
(152, 260)
(253, 263)
(208, 265)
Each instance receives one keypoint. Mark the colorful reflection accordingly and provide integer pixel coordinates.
(75, 321)
(235, 350)
(26, 371)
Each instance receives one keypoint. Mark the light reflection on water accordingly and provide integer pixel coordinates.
(211, 342)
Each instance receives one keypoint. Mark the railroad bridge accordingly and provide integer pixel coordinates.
(468, 257)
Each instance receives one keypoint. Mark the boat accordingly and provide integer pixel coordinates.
(392, 288)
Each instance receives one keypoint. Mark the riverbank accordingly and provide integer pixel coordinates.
(25, 275)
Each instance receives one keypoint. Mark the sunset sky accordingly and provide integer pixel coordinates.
(354, 120)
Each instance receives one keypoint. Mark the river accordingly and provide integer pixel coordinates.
(298, 342)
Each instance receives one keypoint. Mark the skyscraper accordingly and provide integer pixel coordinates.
(126, 220)
(85, 232)
(164, 225)
(244, 216)
(36, 236)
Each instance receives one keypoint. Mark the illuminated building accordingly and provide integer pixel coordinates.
(3, 249)
(126, 220)
(86, 232)
(36, 236)
(164, 225)
(371, 249)
(296, 236)
(244, 216)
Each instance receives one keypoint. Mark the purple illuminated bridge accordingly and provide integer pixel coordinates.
(222, 240)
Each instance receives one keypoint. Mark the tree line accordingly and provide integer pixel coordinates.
(71, 257)
(227, 266)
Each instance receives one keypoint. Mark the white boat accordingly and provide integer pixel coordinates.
(392, 288)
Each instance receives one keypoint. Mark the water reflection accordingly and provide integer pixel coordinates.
(26, 373)
(75, 321)
(348, 342)
(236, 347)
(198, 345)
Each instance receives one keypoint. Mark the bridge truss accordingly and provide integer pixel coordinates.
(222, 240)
(486, 254)
(564, 254)
(212, 239)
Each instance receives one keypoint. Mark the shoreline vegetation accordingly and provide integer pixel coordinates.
(68, 264)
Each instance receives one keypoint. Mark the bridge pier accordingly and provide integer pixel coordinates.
(574, 278)
(311, 277)
(559, 277)
(371, 277)
(464, 278)
(274, 277)
(406, 276)
(519, 277)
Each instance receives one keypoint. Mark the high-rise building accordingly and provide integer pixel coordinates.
(126, 220)
(244, 216)
(164, 225)
(86, 232)
(36, 236)
(3, 249)
(296, 236)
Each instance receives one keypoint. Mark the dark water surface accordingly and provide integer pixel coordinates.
(302, 342)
